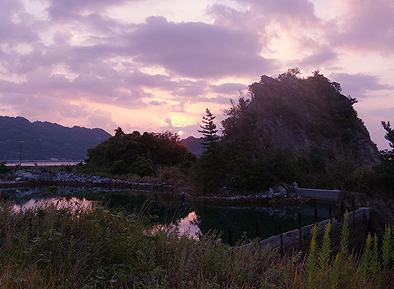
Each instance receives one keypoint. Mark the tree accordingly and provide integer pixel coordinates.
(119, 132)
(390, 133)
(384, 172)
(209, 131)
(208, 174)
(290, 74)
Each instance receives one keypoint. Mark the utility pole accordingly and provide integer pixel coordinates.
(20, 153)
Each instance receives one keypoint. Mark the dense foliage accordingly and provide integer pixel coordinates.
(285, 130)
(139, 154)
(44, 140)
(383, 174)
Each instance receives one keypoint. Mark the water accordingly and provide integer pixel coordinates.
(44, 163)
(191, 219)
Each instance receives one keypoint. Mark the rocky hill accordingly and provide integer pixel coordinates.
(308, 117)
(45, 140)
(288, 129)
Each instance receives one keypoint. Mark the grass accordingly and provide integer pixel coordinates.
(54, 246)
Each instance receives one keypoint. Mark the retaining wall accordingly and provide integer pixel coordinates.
(358, 224)
(318, 193)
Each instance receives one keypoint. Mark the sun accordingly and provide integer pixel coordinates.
(180, 133)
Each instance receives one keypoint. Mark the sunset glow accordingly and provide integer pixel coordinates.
(158, 67)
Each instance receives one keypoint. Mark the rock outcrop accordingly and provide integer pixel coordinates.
(311, 119)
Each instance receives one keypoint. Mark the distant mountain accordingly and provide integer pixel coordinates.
(45, 140)
(193, 144)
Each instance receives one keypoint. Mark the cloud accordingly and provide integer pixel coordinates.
(359, 85)
(62, 36)
(197, 50)
(229, 88)
(61, 9)
(41, 106)
(365, 26)
(72, 57)
(100, 117)
(285, 28)
(12, 29)
(322, 56)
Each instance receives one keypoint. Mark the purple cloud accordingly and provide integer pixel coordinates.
(47, 71)
(366, 26)
(229, 88)
(325, 55)
(197, 50)
(358, 85)
(62, 9)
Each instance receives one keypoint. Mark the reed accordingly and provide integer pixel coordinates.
(54, 246)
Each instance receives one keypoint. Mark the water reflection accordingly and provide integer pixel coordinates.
(59, 202)
(191, 219)
(187, 226)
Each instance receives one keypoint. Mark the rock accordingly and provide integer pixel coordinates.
(223, 191)
(280, 192)
(270, 193)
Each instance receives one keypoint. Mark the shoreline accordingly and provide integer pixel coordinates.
(38, 178)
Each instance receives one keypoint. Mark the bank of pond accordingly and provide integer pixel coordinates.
(231, 222)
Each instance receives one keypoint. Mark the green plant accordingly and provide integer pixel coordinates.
(345, 233)
(312, 259)
(3, 167)
(142, 167)
(53, 189)
(119, 167)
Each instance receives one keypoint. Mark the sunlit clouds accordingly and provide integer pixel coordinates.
(154, 66)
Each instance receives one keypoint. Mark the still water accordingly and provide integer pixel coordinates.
(191, 219)
(45, 163)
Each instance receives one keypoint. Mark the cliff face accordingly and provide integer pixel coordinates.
(309, 118)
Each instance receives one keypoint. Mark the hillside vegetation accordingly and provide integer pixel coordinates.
(45, 140)
(287, 129)
(139, 154)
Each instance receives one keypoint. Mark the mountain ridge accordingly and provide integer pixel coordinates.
(45, 140)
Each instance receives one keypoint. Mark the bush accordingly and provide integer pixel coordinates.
(4, 168)
(142, 167)
(119, 167)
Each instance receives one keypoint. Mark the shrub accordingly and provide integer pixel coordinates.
(3, 167)
(119, 167)
(142, 167)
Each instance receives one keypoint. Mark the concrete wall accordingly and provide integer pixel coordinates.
(318, 193)
(358, 224)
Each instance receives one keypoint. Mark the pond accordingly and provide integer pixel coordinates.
(191, 219)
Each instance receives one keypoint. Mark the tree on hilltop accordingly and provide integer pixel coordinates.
(390, 133)
(384, 172)
(209, 131)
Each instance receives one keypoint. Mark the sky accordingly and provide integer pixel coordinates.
(157, 65)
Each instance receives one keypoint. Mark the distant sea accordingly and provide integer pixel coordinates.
(43, 163)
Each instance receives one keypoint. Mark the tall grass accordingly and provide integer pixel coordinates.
(51, 247)
(62, 247)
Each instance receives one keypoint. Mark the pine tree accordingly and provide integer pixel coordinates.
(209, 173)
(390, 133)
(209, 131)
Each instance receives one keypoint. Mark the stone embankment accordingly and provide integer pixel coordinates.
(281, 194)
(41, 177)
